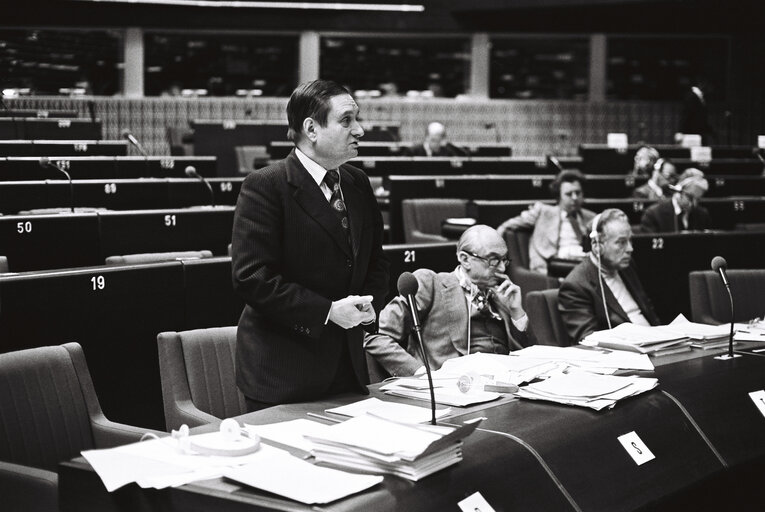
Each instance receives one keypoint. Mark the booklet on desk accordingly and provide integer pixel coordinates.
(638, 338)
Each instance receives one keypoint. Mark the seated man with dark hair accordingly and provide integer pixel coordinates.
(682, 211)
(604, 291)
(475, 308)
(558, 231)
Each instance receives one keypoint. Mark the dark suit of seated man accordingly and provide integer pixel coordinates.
(682, 212)
(583, 293)
(436, 144)
(475, 308)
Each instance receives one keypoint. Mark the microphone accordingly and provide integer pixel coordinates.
(191, 172)
(45, 163)
(556, 163)
(92, 110)
(407, 287)
(719, 265)
(131, 139)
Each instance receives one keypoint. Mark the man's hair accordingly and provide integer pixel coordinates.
(467, 241)
(571, 176)
(604, 218)
(311, 99)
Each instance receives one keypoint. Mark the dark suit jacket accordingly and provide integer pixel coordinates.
(445, 150)
(661, 218)
(581, 305)
(290, 260)
(694, 117)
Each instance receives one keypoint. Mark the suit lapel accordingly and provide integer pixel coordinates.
(611, 303)
(311, 199)
(457, 312)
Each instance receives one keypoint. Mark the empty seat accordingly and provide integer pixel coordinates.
(422, 218)
(197, 371)
(546, 324)
(49, 412)
(709, 300)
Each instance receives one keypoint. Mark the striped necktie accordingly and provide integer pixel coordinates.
(332, 179)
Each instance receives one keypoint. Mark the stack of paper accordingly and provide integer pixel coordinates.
(592, 360)
(446, 391)
(587, 390)
(378, 445)
(402, 413)
(702, 336)
(656, 340)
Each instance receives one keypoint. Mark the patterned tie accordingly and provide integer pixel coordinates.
(332, 179)
(574, 221)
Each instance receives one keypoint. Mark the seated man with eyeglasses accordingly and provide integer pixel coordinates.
(474, 308)
(682, 211)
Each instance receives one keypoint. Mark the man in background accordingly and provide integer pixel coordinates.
(436, 143)
(474, 308)
(645, 161)
(657, 187)
(682, 211)
(558, 230)
(588, 302)
(307, 259)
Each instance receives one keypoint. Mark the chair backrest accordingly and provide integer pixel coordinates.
(544, 318)
(518, 246)
(249, 158)
(44, 416)
(422, 217)
(709, 300)
(197, 370)
(153, 257)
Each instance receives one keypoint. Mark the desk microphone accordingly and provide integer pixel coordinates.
(131, 139)
(46, 163)
(556, 163)
(407, 287)
(719, 265)
(191, 172)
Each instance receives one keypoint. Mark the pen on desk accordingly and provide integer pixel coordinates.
(327, 418)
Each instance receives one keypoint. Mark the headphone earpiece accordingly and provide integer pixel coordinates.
(594, 235)
(659, 164)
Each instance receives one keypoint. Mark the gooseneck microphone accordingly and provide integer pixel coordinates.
(191, 172)
(131, 139)
(719, 265)
(556, 163)
(407, 287)
(46, 163)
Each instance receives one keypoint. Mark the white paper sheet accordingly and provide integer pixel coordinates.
(289, 433)
(278, 472)
(395, 411)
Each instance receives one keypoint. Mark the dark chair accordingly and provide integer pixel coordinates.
(376, 371)
(49, 412)
(198, 376)
(422, 218)
(545, 322)
(709, 300)
(518, 251)
(153, 257)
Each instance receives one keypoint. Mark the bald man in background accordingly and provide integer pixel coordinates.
(436, 144)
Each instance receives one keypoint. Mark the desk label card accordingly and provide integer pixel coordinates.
(617, 141)
(758, 397)
(475, 503)
(636, 448)
(701, 154)
(761, 141)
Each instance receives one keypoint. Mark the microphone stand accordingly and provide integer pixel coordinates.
(730, 354)
(417, 330)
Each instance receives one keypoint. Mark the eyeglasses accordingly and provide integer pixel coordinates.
(492, 262)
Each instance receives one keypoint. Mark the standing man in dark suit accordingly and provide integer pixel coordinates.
(590, 302)
(307, 259)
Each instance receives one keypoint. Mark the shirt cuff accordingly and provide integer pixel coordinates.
(522, 323)
(326, 320)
